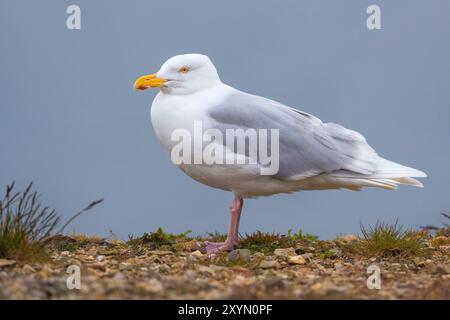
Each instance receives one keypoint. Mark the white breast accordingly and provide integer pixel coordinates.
(171, 112)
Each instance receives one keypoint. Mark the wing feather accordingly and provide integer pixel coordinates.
(307, 146)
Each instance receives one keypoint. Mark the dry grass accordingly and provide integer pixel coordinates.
(26, 226)
(301, 236)
(214, 237)
(390, 240)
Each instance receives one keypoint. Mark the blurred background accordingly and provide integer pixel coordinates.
(71, 122)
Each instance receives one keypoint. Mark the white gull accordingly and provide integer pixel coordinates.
(312, 155)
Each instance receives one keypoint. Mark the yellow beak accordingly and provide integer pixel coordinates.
(148, 81)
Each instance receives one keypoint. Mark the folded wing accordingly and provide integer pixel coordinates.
(307, 146)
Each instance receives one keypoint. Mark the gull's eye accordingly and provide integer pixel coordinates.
(184, 70)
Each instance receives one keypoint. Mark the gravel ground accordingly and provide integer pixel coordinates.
(111, 269)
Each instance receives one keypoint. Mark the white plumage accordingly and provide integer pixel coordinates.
(312, 155)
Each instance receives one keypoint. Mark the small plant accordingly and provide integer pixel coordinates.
(390, 240)
(300, 236)
(26, 226)
(67, 246)
(440, 231)
(216, 236)
(264, 241)
(158, 239)
(327, 254)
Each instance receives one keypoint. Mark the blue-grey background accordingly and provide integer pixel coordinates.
(70, 121)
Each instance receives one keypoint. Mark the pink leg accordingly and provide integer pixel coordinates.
(233, 231)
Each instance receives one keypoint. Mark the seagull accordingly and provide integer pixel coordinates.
(311, 154)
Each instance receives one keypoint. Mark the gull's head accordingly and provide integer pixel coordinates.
(182, 74)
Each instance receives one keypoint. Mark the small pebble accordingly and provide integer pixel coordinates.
(239, 254)
(296, 260)
(269, 264)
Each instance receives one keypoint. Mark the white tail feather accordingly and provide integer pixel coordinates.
(388, 176)
(390, 169)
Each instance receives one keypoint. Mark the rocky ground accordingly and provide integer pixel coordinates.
(309, 269)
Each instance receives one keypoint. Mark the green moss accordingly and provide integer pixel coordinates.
(68, 247)
(158, 239)
(265, 242)
(328, 254)
(215, 236)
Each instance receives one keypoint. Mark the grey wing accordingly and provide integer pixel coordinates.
(307, 146)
